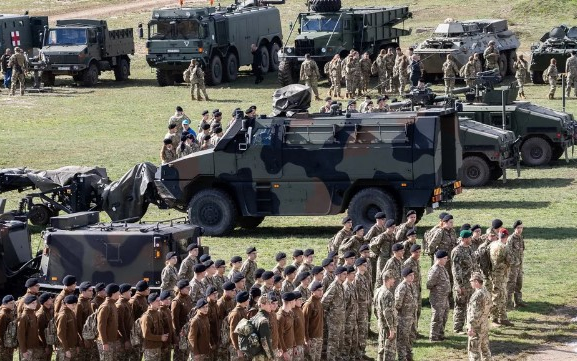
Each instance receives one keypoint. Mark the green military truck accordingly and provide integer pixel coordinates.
(329, 30)
(558, 44)
(21, 31)
(83, 49)
(15, 257)
(318, 165)
(220, 38)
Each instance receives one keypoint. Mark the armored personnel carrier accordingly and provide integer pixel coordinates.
(558, 44)
(463, 39)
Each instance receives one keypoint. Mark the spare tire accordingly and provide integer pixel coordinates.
(325, 5)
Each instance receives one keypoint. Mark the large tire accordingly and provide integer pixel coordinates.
(48, 78)
(511, 57)
(503, 64)
(476, 172)
(265, 56)
(537, 77)
(368, 202)
(536, 152)
(122, 70)
(39, 215)
(90, 76)
(247, 222)
(230, 67)
(273, 52)
(178, 78)
(164, 77)
(285, 74)
(214, 71)
(325, 5)
(214, 210)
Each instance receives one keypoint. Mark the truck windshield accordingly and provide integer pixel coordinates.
(67, 36)
(320, 24)
(175, 29)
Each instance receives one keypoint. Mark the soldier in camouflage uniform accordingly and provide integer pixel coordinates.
(263, 329)
(365, 64)
(392, 81)
(381, 247)
(462, 268)
(450, 72)
(516, 245)
(478, 64)
(7, 315)
(476, 239)
(348, 348)
(197, 80)
(491, 56)
(314, 321)
(289, 277)
(280, 259)
(379, 68)
(483, 258)
(571, 70)
(341, 235)
(500, 264)
(469, 72)
(377, 229)
(335, 73)
(328, 275)
(401, 70)
(410, 241)
(19, 64)
(401, 231)
(387, 320)
(414, 264)
(478, 321)
(310, 74)
(354, 242)
(307, 265)
(350, 70)
(334, 314)
(406, 309)
(444, 238)
(521, 67)
(440, 288)
(169, 274)
(186, 271)
(551, 75)
(249, 266)
(395, 263)
(363, 290)
(196, 284)
(304, 279)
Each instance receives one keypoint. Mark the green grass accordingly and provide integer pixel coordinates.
(117, 125)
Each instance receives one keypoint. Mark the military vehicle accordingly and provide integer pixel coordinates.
(463, 39)
(21, 30)
(84, 49)
(16, 263)
(219, 37)
(317, 165)
(329, 30)
(558, 44)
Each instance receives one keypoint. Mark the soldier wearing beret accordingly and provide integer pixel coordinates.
(462, 268)
(186, 271)
(314, 321)
(254, 295)
(169, 274)
(234, 317)
(181, 308)
(328, 265)
(139, 302)
(445, 238)
(239, 282)
(107, 323)
(274, 299)
(381, 247)
(225, 305)
(290, 274)
(153, 333)
(28, 340)
(387, 320)
(500, 263)
(219, 278)
(478, 312)
(407, 243)
(516, 244)
(199, 333)
(167, 326)
(125, 322)
(401, 232)
(304, 280)
(407, 310)
(235, 265)
(69, 283)
(45, 314)
(84, 308)
(354, 242)
(344, 233)
(363, 293)
(7, 315)
(249, 266)
(414, 263)
(32, 289)
(209, 279)
(308, 259)
(258, 281)
(197, 285)
(67, 330)
(285, 320)
(334, 308)
(99, 296)
(439, 285)
(377, 229)
(280, 259)
(262, 325)
(298, 255)
(395, 263)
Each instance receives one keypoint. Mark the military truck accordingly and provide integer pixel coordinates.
(463, 39)
(83, 49)
(21, 31)
(327, 31)
(558, 44)
(16, 263)
(219, 37)
(318, 165)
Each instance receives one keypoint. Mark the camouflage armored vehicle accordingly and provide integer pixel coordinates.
(558, 44)
(220, 38)
(21, 31)
(318, 165)
(327, 31)
(83, 49)
(463, 39)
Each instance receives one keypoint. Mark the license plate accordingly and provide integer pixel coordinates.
(435, 205)
(173, 50)
(301, 59)
(63, 68)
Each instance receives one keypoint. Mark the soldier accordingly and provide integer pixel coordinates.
(67, 330)
(395, 263)
(289, 278)
(84, 308)
(176, 120)
(409, 242)
(285, 320)
(19, 64)
(363, 292)
(400, 70)
(387, 320)
(169, 274)
(268, 282)
(349, 71)
(5, 68)
(307, 265)
(254, 294)
(317, 274)
(197, 284)
(44, 315)
(414, 264)
(199, 333)
(521, 69)
(445, 238)
(32, 289)
(99, 296)
(238, 313)
(180, 309)
(298, 255)
(476, 240)
(406, 310)
(107, 323)
(403, 228)
(335, 74)
(381, 247)
(239, 282)
(491, 56)
(462, 268)
(167, 327)
(280, 259)
(478, 65)
(304, 281)
(516, 245)
(274, 299)
(450, 72)
(310, 74)
(256, 63)
(500, 265)
(314, 321)
(210, 272)
(379, 69)
(478, 320)
(416, 69)
(235, 265)
(349, 346)
(138, 302)
(440, 288)
(354, 242)
(263, 328)
(216, 137)
(167, 153)
(341, 235)
(27, 331)
(365, 64)
(392, 81)
(377, 229)
(469, 72)
(571, 70)
(328, 275)
(7, 315)
(153, 334)
(125, 322)
(299, 326)
(483, 258)
(186, 271)
(334, 310)
(197, 80)
(249, 266)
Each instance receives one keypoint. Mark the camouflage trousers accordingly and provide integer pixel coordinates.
(403, 82)
(125, 355)
(363, 328)
(315, 346)
(439, 315)
(350, 339)
(521, 83)
(6, 354)
(499, 295)
(404, 341)
(17, 78)
(152, 354)
(571, 82)
(199, 87)
(386, 348)
(335, 88)
(335, 336)
(180, 355)
(313, 84)
(391, 82)
(35, 354)
(61, 355)
(233, 354)
(415, 330)
(299, 353)
(47, 354)
(89, 353)
(383, 87)
(165, 353)
(478, 346)
(487, 282)
(192, 357)
(111, 354)
(515, 284)
(351, 82)
(449, 85)
(365, 80)
(460, 311)
(552, 86)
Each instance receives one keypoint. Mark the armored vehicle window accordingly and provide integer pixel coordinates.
(67, 36)
(350, 133)
(262, 137)
(320, 24)
(92, 36)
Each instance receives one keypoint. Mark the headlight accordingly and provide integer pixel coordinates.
(156, 15)
(289, 50)
(324, 50)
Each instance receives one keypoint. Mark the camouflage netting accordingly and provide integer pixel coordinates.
(46, 180)
(291, 99)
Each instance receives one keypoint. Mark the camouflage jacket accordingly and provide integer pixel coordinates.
(396, 266)
(309, 70)
(333, 301)
(186, 271)
(443, 239)
(263, 329)
(185, 149)
(478, 310)
(475, 243)
(18, 63)
(407, 244)
(351, 302)
(336, 69)
(365, 65)
(247, 269)
(483, 257)
(327, 280)
(516, 246)
(491, 56)
(380, 65)
(390, 60)
(478, 66)
(385, 310)
(450, 69)
(571, 65)
(438, 281)
(382, 244)
(197, 290)
(405, 300)
(305, 267)
(374, 232)
(197, 75)
(500, 256)
(363, 289)
(287, 286)
(551, 71)
(169, 278)
(401, 231)
(415, 265)
(218, 281)
(351, 66)
(401, 64)
(338, 239)
(305, 292)
(462, 266)
(521, 68)
(167, 155)
(278, 270)
(353, 244)
(470, 70)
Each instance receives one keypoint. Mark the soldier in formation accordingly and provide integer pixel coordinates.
(516, 245)
(478, 311)
(310, 74)
(401, 70)
(365, 65)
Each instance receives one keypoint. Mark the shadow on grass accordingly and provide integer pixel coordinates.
(513, 183)
(500, 205)
(293, 231)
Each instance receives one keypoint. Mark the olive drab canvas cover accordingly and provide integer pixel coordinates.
(291, 99)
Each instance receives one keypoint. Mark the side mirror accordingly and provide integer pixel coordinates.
(291, 25)
(99, 36)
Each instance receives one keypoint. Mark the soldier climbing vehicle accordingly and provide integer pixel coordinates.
(557, 44)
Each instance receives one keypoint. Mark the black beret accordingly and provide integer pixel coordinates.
(309, 252)
(141, 286)
(290, 270)
(298, 253)
(153, 297)
(169, 255)
(164, 295)
(210, 290)
(277, 278)
(248, 111)
(172, 126)
(326, 262)
(496, 223)
(70, 299)
(316, 270)
(255, 292)
(7, 299)
(475, 227)
(517, 224)
(397, 247)
(447, 218)
(204, 112)
(411, 232)
(328, 99)
(204, 258)
(191, 247)
(182, 284)
(45, 297)
(167, 141)
(380, 215)
(340, 269)
(228, 286)
(84, 286)
(364, 247)
(99, 287)
(298, 295)
(442, 215)
(184, 137)
(242, 297)
(253, 107)
(205, 126)
(237, 277)
(303, 275)
(441, 253)
(415, 248)
(357, 228)
(258, 273)
(68, 280)
(178, 108)
(219, 263)
(272, 297)
(234, 111)
(347, 219)
(406, 271)
(29, 299)
(360, 261)
(235, 259)
(218, 130)
(125, 287)
(280, 256)
(215, 110)
(208, 263)
(288, 296)
(31, 282)
(352, 102)
(267, 275)
(315, 286)
(349, 254)
(332, 254)
(351, 269)
(112, 289)
(389, 223)
(250, 250)
(217, 114)
(410, 213)
(466, 226)
(199, 268)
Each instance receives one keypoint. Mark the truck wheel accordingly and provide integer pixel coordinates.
(285, 74)
(536, 151)
(164, 78)
(247, 222)
(503, 64)
(214, 210)
(214, 71)
(230, 67)
(39, 215)
(536, 77)
(368, 202)
(325, 5)
(48, 78)
(273, 52)
(511, 56)
(90, 76)
(476, 172)
(557, 152)
(122, 70)
(496, 173)
(178, 78)
(265, 59)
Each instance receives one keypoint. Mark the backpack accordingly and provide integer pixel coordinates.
(11, 335)
(248, 338)
(50, 333)
(90, 328)
(186, 75)
(183, 335)
(484, 256)
(136, 337)
(427, 239)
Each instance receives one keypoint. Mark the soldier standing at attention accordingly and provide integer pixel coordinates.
(450, 72)
(334, 314)
(289, 278)
(107, 323)
(238, 313)
(414, 264)
(335, 74)
(169, 274)
(299, 326)
(256, 63)
(341, 235)
(32, 289)
(125, 322)
(167, 153)
(138, 302)
(44, 314)
(365, 64)
(153, 334)
(83, 310)
(387, 320)
(166, 317)
(197, 80)
(516, 245)
(444, 238)
(197, 286)
(363, 290)
(469, 72)
(27, 331)
(285, 320)
(401, 231)
(304, 280)
(66, 330)
(199, 333)
(491, 56)
(268, 286)
(462, 267)
(180, 308)
(19, 64)
(407, 310)
(395, 263)
(571, 70)
(476, 240)
(392, 81)
(478, 320)
(186, 271)
(328, 275)
(7, 315)
(401, 70)
(280, 259)
(307, 265)
(348, 64)
(6, 70)
(379, 69)
(440, 288)
(249, 266)
(500, 264)
(349, 346)
(214, 319)
(521, 68)
(314, 321)
(377, 229)
(381, 246)
(69, 283)
(262, 326)
(354, 242)
(298, 255)
(100, 295)
(477, 62)
(551, 75)
(310, 74)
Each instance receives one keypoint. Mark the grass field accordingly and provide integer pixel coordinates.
(117, 125)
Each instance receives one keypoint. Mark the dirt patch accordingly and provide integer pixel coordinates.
(567, 352)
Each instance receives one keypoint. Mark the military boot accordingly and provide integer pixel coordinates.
(551, 96)
(330, 93)
(200, 98)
